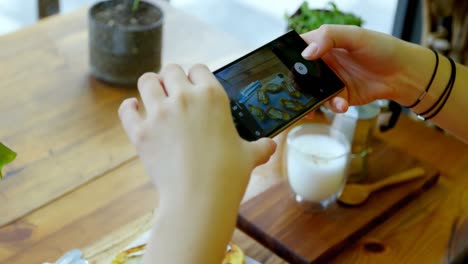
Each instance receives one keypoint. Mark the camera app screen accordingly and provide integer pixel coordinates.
(274, 84)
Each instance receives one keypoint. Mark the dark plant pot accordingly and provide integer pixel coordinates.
(124, 44)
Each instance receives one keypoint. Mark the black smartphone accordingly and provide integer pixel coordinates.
(273, 86)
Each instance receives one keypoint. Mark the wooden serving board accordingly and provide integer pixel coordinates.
(275, 219)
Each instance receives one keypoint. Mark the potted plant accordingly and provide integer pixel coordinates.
(306, 19)
(6, 156)
(124, 40)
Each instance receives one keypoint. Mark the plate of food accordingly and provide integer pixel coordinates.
(134, 255)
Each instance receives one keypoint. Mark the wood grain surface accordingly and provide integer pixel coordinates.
(77, 183)
(299, 235)
(67, 188)
(62, 123)
(422, 231)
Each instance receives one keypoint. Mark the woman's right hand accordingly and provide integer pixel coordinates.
(373, 65)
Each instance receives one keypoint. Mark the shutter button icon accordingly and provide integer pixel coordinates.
(300, 68)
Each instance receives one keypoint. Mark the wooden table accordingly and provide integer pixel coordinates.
(77, 182)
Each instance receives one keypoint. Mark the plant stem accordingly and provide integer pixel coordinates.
(135, 5)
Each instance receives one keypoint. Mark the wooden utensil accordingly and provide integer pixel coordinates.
(356, 194)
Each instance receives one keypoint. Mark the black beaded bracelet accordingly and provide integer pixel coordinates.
(429, 84)
(450, 84)
(422, 114)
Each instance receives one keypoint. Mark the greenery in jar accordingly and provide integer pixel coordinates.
(306, 19)
(135, 5)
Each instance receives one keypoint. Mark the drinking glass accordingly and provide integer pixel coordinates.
(316, 164)
(358, 124)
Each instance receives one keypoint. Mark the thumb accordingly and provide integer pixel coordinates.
(337, 104)
(261, 150)
(328, 37)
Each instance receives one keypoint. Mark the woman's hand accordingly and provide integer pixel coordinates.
(372, 65)
(187, 140)
(378, 66)
(196, 159)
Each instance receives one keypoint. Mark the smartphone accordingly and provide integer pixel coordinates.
(274, 86)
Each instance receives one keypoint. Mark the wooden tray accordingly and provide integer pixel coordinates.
(275, 220)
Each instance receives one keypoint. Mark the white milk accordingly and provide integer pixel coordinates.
(315, 179)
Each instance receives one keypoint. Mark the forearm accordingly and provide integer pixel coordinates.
(453, 116)
(195, 157)
(417, 67)
(191, 232)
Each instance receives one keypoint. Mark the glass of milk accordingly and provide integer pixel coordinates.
(316, 163)
(358, 124)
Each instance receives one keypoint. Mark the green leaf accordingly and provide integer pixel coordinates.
(6, 156)
(307, 19)
(135, 5)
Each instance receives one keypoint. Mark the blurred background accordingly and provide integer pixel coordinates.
(253, 21)
(440, 24)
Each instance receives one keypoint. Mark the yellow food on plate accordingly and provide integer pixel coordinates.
(130, 256)
(257, 112)
(234, 255)
(262, 97)
(273, 88)
(291, 90)
(291, 104)
(278, 114)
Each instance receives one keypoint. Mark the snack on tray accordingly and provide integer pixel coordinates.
(130, 256)
(262, 97)
(257, 112)
(291, 90)
(273, 88)
(291, 104)
(234, 255)
(278, 114)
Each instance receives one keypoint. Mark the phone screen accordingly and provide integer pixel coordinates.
(274, 85)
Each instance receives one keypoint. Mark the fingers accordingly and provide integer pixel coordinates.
(328, 37)
(151, 90)
(262, 150)
(337, 104)
(174, 79)
(200, 75)
(129, 116)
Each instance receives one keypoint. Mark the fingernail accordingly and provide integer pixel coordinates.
(339, 105)
(310, 50)
(136, 104)
(273, 145)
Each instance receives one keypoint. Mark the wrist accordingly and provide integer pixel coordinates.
(191, 232)
(415, 88)
(196, 212)
(200, 206)
(201, 196)
(417, 66)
